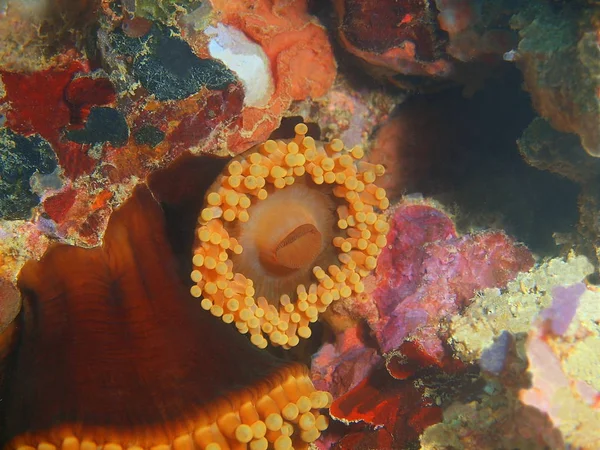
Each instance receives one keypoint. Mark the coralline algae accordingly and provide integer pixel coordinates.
(397, 336)
(546, 392)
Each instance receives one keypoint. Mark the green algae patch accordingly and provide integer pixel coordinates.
(166, 66)
(20, 158)
(164, 10)
(103, 125)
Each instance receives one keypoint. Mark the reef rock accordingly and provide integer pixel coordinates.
(536, 341)
(154, 80)
(425, 276)
(429, 40)
(558, 53)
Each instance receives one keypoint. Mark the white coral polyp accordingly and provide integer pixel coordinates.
(244, 57)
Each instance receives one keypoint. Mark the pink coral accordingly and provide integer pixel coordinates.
(430, 273)
(426, 275)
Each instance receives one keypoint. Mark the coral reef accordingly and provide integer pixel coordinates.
(166, 66)
(414, 297)
(299, 53)
(148, 91)
(548, 149)
(165, 215)
(542, 325)
(102, 125)
(401, 37)
(30, 110)
(349, 112)
(276, 407)
(35, 32)
(558, 54)
(22, 158)
(159, 10)
(418, 43)
(427, 148)
(554, 44)
(149, 86)
(514, 308)
(426, 276)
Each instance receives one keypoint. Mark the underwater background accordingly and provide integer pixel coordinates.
(293, 224)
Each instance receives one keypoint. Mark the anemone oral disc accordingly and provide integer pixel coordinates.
(299, 248)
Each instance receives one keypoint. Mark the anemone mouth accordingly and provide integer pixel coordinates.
(289, 234)
(299, 248)
(291, 242)
(288, 227)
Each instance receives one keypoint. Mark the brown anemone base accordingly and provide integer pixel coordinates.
(110, 351)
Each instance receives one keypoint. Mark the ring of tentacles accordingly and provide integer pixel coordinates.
(288, 228)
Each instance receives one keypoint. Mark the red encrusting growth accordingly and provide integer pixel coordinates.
(398, 408)
(84, 92)
(57, 206)
(50, 101)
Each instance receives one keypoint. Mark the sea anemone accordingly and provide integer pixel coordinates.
(287, 228)
(111, 352)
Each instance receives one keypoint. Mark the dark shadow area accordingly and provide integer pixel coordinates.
(463, 152)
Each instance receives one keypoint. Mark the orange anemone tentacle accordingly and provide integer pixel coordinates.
(288, 227)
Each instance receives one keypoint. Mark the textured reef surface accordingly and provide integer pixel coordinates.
(424, 278)
(537, 348)
(276, 224)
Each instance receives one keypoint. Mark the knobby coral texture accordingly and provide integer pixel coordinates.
(536, 345)
(394, 353)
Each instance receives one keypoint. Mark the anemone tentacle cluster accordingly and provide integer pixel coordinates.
(283, 412)
(288, 228)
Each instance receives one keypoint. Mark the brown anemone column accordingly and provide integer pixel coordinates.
(111, 351)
